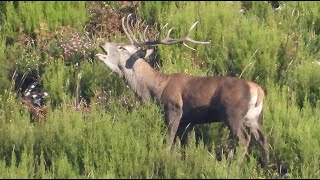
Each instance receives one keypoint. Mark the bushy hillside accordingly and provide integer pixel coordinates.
(92, 126)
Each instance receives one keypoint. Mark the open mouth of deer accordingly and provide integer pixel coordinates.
(102, 46)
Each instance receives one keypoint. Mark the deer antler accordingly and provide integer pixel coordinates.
(130, 36)
(167, 40)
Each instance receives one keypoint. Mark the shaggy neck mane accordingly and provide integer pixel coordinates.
(145, 81)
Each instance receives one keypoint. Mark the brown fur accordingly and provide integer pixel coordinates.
(254, 86)
(190, 100)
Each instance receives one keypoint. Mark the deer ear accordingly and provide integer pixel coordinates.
(145, 53)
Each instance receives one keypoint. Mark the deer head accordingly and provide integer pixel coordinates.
(121, 57)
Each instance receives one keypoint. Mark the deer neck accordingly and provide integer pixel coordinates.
(145, 81)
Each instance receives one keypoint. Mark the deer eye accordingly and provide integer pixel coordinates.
(121, 48)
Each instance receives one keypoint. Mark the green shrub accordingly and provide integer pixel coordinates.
(95, 127)
(304, 79)
(28, 16)
(57, 80)
(5, 81)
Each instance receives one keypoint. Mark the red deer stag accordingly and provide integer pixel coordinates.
(187, 99)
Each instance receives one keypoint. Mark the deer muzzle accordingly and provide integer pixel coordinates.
(102, 45)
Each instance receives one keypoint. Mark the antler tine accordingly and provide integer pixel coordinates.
(162, 29)
(194, 25)
(168, 41)
(138, 29)
(168, 35)
(143, 23)
(159, 33)
(144, 33)
(165, 26)
(191, 40)
(141, 34)
(129, 30)
(126, 32)
(188, 46)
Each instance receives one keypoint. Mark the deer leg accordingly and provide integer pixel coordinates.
(245, 139)
(240, 131)
(173, 115)
(183, 131)
(262, 143)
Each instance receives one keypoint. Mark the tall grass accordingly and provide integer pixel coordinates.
(119, 137)
(29, 16)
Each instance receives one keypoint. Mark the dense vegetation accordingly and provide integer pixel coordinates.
(94, 126)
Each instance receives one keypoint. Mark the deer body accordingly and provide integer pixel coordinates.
(190, 100)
